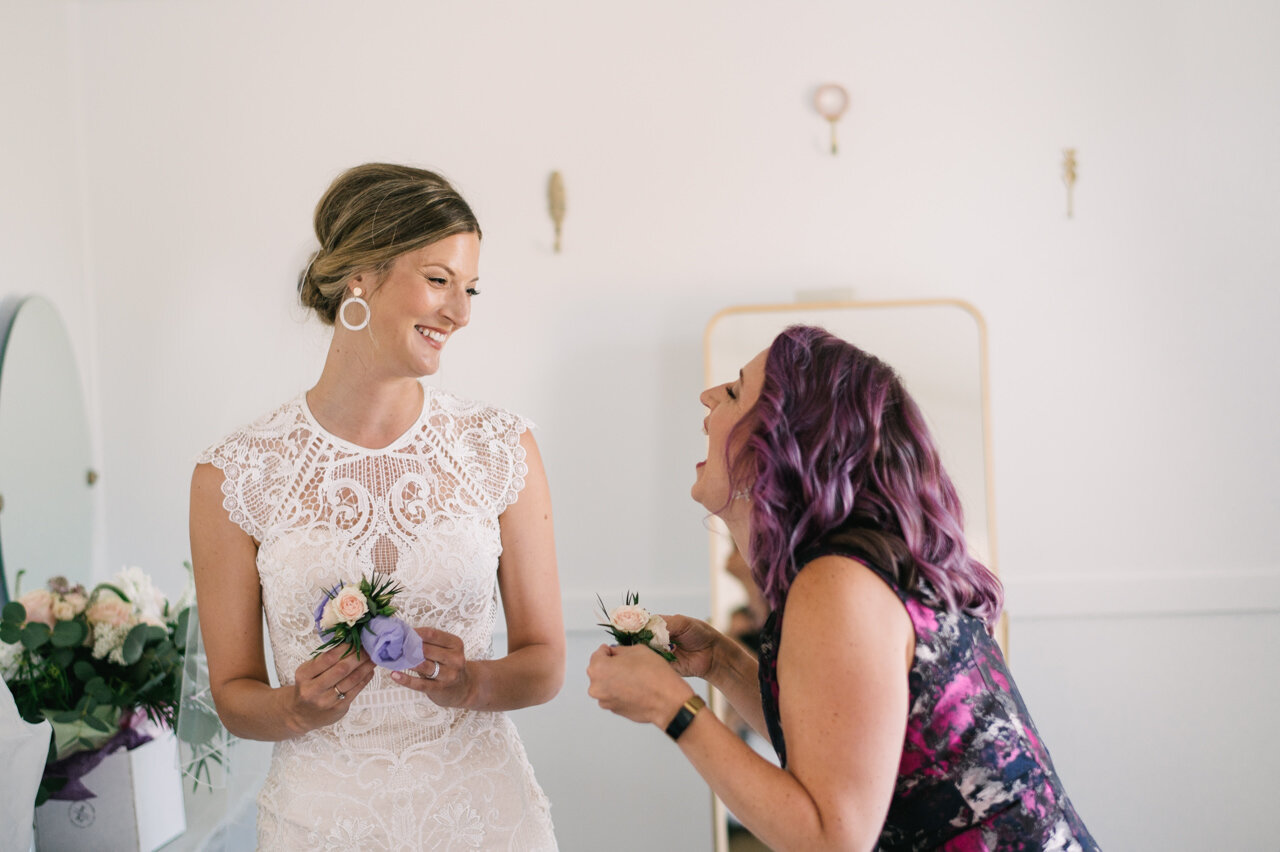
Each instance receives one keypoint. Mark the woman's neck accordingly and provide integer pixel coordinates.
(360, 405)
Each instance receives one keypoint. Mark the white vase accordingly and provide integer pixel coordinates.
(137, 804)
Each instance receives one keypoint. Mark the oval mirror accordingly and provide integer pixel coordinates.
(46, 476)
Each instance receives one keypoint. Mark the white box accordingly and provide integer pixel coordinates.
(137, 804)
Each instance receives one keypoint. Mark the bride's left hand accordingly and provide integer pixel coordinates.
(451, 684)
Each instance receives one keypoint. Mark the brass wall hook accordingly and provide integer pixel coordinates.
(1069, 178)
(831, 100)
(555, 203)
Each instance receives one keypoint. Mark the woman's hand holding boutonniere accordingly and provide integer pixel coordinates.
(444, 676)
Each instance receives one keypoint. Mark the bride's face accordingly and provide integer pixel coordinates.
(421, 301)
(726, 404)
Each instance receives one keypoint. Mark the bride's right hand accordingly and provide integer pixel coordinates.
(695, 643)
(324, 687)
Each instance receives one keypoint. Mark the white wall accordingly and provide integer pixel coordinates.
(1132, 351)
(42, 221)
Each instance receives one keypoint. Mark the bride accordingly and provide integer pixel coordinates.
(372, 470)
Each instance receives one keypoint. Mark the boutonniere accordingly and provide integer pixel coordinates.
(361, 616)
(632, 624)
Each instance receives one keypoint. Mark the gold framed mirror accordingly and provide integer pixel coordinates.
(939, 348)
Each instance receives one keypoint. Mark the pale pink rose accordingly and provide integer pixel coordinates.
(350, 605)
(109, 610)
(39, 604)
(661, 637)
(629, 618)
(77, 601)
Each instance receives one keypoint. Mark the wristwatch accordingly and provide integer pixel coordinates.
(687, 711)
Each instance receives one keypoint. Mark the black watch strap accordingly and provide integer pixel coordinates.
(687, 711)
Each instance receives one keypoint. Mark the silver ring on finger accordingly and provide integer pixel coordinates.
(342, 696)
(435, 673)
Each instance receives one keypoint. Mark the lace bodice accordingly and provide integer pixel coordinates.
(397, 772)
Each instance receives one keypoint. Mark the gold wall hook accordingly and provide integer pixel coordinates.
(831, 100)
(1069, 178)
(555, 203)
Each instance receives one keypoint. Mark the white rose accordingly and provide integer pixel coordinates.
(661, 640)
(629, 618)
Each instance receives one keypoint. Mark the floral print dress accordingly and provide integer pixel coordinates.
(974, 774)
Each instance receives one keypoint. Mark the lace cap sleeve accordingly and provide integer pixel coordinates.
(487, 443)
(251, 459)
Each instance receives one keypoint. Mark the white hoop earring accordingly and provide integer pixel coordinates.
(354, 300)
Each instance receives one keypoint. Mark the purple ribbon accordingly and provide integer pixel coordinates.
(74, 767)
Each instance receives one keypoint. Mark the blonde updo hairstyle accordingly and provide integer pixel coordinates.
(367, 218)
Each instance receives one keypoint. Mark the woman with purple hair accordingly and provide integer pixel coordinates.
(893, 713)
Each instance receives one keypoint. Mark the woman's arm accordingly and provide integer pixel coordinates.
(230, 604)
(702, 651)
(532, 672)
(846, 650)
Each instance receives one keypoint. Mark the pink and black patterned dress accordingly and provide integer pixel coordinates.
(974, 774)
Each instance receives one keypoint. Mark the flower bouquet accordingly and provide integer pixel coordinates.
(360, 615)
(97, 665)
(632, 624)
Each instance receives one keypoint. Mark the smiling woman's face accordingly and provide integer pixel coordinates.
(726, 404)
(421, 301)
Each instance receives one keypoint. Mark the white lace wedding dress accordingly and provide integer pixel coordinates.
(397, 772)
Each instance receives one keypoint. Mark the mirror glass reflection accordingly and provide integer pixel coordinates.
(46, 506)
(938, 347)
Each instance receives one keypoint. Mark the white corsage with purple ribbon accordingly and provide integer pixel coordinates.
(361, 616)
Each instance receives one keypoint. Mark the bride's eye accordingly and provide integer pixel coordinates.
(439, 282)
(729, 390)
(473, 291)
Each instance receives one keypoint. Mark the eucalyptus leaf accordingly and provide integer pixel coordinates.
(35, 635)
(68, 634)
(97, 724)
(84, 670)
(62, 658)
(13, 613)
(10, 633)
(180, 633)
(156, 634)
(134, 644)
(197, 724)
(72, 729)
(98, 689)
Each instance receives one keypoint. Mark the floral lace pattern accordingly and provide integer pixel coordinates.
(397, 772)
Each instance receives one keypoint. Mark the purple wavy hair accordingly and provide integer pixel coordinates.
(836, 451)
